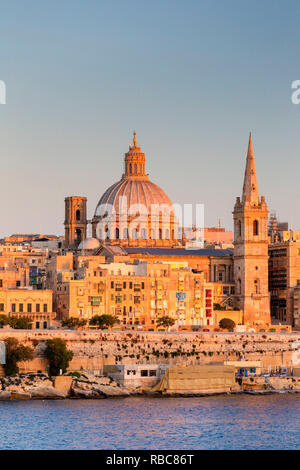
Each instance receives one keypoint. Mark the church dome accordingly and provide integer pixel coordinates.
(134, 211)
(89, 244)
(136, 191)
(134, 185)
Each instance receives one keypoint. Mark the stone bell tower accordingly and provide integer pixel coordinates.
(75, 221)
(251, 249)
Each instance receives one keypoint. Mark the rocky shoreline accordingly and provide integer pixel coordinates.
(39, 386)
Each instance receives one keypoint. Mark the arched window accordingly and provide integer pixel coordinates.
(130, 168)
(125, 233)
(256, 286)
(78, 235)
(255, 227)
(135, 168)
(160, 234)
(239, 286)
(117, 234)
(239, 228)
(135, 234)
(152, 234)
(173, 234)
(78, 215)
(167, 234)
(144, 233)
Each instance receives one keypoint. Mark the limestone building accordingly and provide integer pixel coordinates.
(251, 248)
(128, 234)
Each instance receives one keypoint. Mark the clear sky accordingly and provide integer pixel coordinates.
(192, 77)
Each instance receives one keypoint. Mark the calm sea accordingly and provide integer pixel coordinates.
(223, 422)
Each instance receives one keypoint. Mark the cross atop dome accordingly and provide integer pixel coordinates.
(134, 139)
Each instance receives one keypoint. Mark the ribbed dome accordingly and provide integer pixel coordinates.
(137, 191)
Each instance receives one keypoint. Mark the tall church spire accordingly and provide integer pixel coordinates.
(250, 189)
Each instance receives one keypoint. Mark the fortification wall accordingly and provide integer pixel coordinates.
(93, 349)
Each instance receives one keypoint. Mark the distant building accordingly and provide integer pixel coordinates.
(33, 304)
(284, 281)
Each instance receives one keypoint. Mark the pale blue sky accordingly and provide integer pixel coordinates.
(192, 77)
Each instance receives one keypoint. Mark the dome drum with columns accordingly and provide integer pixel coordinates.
(134, 211)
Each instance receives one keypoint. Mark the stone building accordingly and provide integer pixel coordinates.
(132, 212)
(75, 221)
(284, 280)
(251, 248)
(33, 304)
(238, 278)
(22, 266)
(138, 293)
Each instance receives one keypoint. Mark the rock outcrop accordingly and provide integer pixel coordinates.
(92, 386)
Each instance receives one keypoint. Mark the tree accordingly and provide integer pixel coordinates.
(73, 322)
(3, 320)
(166, 322)
(16, 352)
(227, 324)
(20, 323)
(103, 321)
(58, 355)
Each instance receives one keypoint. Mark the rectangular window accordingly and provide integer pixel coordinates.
(152, 373)
(13, 308)
(112, 284)
(37, 308)
(124, 285)
(29, 308)
(130, 285)
(21, 308)
(18, 283)
(95, 300)
(143, 285)
(45, 308)
(1, 283)
(1, 307)
(144, 373)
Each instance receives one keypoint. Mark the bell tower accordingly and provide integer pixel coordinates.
(250, 217)
(75, 221)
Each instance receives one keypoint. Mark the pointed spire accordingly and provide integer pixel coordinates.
(250, 189)
(134, 139)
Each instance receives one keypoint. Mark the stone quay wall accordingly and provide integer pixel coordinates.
(93, 349)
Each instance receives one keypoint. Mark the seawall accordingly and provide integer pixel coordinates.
(92, 349)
